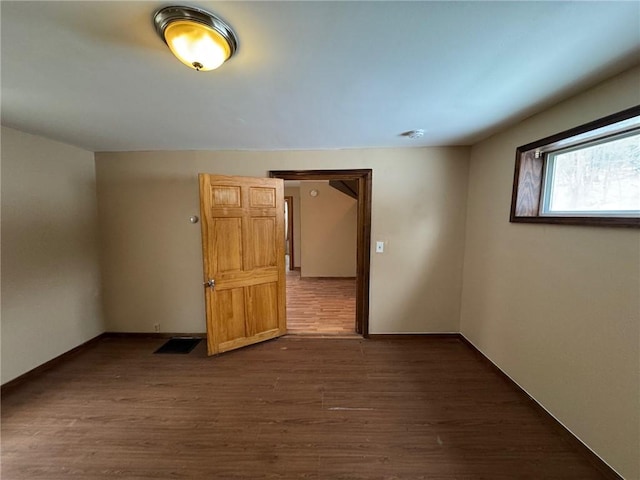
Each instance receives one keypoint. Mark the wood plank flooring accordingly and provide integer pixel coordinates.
(291, 408)
(320, 305)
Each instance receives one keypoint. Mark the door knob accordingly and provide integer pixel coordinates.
(210, 283)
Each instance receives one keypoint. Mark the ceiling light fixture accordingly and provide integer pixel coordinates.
(197, 38)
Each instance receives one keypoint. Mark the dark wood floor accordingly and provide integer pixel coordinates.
(289, 408)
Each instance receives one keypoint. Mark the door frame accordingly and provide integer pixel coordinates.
(363, 253)
(288, 199)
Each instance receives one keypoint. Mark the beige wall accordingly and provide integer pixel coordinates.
(152, 262)
(557, 307)
(50, 275)
(295, 193)
(329, 231)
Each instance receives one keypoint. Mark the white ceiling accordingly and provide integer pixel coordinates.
(308, 75)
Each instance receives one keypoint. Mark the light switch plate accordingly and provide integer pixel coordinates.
(379, 247)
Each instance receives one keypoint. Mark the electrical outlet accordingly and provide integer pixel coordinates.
(156, 327)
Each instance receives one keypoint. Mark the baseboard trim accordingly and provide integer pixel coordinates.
(334, 336)
(158, 335)
(603, 467)
(12, 384)
(19, 380)
(412, 336)
(328, 278)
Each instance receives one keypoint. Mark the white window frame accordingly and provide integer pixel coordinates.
(550, 169)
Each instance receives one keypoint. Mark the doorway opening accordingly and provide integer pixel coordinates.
(321, 280)
(358, 182)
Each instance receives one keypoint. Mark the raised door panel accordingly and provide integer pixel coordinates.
(230, 315)
(262, 305)
(262, 197)
(227, 244)
(263, 242)
(223, 196)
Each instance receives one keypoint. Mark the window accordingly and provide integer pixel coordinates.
(589, 175)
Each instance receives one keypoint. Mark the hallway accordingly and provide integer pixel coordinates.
(320, 305)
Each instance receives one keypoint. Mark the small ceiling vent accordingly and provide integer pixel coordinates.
(413, 133)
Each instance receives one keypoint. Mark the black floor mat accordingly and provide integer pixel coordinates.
(179, 345)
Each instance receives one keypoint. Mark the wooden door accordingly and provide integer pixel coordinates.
(243, 253)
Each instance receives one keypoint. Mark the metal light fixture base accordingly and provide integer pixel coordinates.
(167, 15)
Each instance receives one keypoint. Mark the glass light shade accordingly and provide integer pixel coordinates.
(196, 45)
